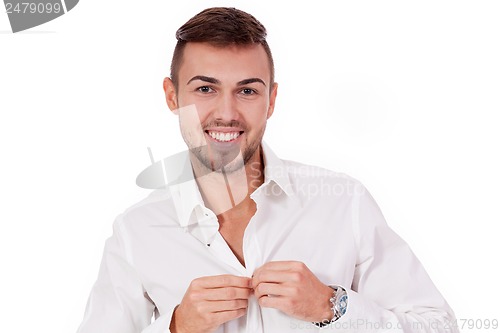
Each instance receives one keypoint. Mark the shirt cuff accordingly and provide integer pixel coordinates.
(364, 315)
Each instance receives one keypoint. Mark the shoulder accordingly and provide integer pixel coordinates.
(302, 174)
(155, 209)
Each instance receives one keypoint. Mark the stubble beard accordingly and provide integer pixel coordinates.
(229, 161)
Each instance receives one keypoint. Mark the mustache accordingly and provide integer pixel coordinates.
(218, 123)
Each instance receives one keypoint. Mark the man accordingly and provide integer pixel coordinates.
(247, 242)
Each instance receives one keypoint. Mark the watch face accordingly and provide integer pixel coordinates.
(343, 304)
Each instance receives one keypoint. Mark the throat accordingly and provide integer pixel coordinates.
(232, 226)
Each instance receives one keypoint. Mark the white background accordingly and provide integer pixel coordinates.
(402, 95)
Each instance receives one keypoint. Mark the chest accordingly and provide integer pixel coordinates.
(233, 231)
(168, 259)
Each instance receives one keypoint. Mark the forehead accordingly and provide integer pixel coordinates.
(228, 64)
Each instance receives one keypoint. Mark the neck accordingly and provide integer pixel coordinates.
(230, 191)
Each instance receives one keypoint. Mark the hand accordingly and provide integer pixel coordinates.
(211, 301)
(291, 287)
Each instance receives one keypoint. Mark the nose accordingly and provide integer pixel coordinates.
(226, 109)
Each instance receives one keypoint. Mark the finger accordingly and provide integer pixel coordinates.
(220, 281)
(268, 276)
(226, 293)
(220, 306)
(273, 289)
(281, 271)
(272, 276)
(225, 316)
(276, 302)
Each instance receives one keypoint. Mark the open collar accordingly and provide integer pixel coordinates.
(192, 213)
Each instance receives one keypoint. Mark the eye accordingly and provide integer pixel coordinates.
(205, 89)
(248, 91)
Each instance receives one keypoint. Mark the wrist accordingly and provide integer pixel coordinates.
(338, 305)
(326, 305)
(173, 327)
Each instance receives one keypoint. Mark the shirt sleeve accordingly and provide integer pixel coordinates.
(391, 292)
(118, 302)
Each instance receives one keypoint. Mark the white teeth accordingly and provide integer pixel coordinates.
(223, 137)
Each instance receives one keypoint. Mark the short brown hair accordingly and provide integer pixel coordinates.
(220, 26)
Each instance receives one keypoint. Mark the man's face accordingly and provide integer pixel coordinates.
(230, 87)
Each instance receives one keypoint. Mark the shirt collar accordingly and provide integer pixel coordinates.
(275, 170)
(176, 174)
(192, 214)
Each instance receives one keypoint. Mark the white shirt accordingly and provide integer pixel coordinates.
(324, 219)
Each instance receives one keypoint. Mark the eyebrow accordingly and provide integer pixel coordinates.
(215, 81)
(204, 79)
(252, 80)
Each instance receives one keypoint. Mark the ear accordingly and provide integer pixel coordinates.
(170, 95)
(272, 100)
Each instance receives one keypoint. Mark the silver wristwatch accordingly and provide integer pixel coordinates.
(338, 305)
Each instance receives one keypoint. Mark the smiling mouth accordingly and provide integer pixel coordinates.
(224, 136)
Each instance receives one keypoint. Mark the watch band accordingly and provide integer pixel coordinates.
(338, 302)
